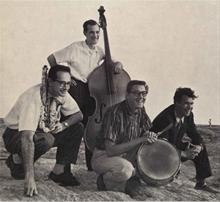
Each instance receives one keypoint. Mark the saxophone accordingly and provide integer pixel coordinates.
(49, 115)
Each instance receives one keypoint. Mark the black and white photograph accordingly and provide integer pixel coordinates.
(110, 100)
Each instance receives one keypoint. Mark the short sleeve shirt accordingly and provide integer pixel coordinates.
(25, 114)
(120, 125)
(80, 58)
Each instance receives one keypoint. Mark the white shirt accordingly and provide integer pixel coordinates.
(25, 114)
(80, 58)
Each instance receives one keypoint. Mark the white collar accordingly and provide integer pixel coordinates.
(86, 46)
(178, 120)
(59, 99)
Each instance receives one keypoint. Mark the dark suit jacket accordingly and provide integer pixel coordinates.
(174, 136)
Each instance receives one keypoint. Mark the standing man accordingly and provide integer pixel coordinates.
(33, 128)
(179, 117)
(83, 57)
(125, 127)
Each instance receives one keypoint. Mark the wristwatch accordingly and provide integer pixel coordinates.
(65, 124)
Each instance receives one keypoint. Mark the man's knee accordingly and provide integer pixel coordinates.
(43, 142)
(126, 171)
(76, 130)
(78, 127)
(122, 172)
(12, 141)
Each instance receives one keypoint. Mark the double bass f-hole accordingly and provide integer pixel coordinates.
(100, 113)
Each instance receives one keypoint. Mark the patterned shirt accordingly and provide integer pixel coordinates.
(120, 125)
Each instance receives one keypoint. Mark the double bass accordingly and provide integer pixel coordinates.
(106, 87)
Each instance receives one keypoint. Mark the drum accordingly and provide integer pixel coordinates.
(158, 163)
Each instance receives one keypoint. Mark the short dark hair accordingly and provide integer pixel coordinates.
(52, 74)
(132, 83)
(183, 91)
(88, 22)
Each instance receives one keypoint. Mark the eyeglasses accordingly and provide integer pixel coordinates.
(139, 93)
(63, 83)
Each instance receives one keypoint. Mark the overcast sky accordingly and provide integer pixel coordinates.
(169, 43)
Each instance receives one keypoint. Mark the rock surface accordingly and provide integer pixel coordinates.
(181, 189)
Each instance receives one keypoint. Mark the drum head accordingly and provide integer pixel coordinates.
(158, 161)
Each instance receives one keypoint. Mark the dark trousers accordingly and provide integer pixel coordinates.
(202, 165)
(67, 143)
(87, 105)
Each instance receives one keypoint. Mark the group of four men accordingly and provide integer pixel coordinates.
(125, 126)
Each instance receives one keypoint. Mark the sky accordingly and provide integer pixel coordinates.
(169, 44)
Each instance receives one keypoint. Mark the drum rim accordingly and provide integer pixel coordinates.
(150, 180)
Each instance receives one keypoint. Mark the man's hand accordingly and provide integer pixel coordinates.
(58, 128)
(197, 148)
(30, 187)
(150, 137)
(192, 152)
(118, 67)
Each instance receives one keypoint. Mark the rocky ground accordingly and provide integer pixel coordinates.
(181, 189)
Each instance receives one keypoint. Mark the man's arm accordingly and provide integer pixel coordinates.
(113, 149)
(74, 118)
(51, 60)
(71, 120)
(192, 131)
(161, 125)
(27, 149)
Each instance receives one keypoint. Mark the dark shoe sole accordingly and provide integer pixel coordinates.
(10, 164)
(63, 180)
(207, 188)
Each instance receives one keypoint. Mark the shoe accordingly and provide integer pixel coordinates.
(64, 179)
(100, 183)
(131, 187)
(17, 170)
(205, 187)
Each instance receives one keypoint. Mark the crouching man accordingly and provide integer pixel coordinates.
(34, 126)
(179, 118)
(125, 127)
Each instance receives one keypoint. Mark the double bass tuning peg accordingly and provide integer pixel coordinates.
(101, 10)
(102, 19)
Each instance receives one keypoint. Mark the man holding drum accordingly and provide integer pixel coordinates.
(125, 127)
(179, 117)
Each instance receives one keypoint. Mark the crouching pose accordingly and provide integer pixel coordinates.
(184, 135)
(34, 126)
(125, 127)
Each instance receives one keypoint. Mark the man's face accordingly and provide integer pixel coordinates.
(185, 106)
(92, 34)
(137, 96)
(61, 85)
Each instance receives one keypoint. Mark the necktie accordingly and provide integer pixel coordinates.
(179, 124)
(176, 130)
